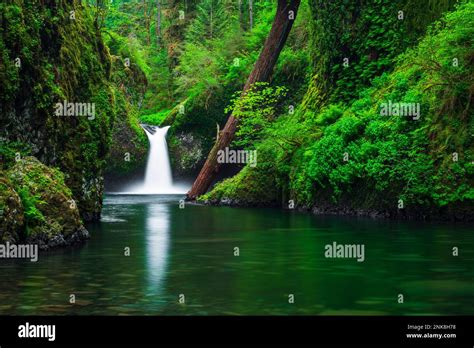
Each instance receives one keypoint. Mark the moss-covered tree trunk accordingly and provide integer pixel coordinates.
(284, 19)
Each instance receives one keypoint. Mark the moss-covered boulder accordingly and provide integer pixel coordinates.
(50, 214)
(12, 220)
(253, 186)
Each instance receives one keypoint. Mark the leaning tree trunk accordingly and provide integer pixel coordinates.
(284, 18)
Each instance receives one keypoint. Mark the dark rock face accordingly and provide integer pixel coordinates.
(128, 151)
(43, 212)
(187, 154)
(422, 214)
(46, 242)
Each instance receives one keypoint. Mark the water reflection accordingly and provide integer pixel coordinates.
(157, 246)
(191, 251)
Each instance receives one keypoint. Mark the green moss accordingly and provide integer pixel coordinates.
(10, 152)
(251, 187)
(33, 215)
(62, 59)
(12, 219)
(129, 144)
(156, 118)
(369, 35)
(349, 155)
(49, 207)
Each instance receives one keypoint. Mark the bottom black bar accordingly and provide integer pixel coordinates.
(133, 331)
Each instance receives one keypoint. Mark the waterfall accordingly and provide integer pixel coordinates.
(158, 176)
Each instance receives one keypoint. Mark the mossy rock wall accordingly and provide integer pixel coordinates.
(129, 145)
(51, 52)
(354, 41)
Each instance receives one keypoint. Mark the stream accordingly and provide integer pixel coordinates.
(191, 252)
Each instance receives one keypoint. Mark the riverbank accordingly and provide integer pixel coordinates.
(462, 214)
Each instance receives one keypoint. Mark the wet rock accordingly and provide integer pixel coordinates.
(186, 153)
(50, 214)
(80, 235)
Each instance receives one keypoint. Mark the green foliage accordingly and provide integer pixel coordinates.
(33, 215)
(202, 60)
(335, 148)
(351, 155)
(389, 154)
(154, 119)
(252, 187)
(199, 73)
(10, 151)
(159, 94)
(367, 36)
(210, 23)
(60, 59)
(256, 108)
(128, 47)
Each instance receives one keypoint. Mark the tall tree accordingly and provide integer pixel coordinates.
(210, 22)
(147, 15)
(251, 14)
(158, 22)
(284, 19)
(241, 15)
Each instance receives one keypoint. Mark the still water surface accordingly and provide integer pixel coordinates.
(190, 251)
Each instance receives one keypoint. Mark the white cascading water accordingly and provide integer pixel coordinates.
(158, 176)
